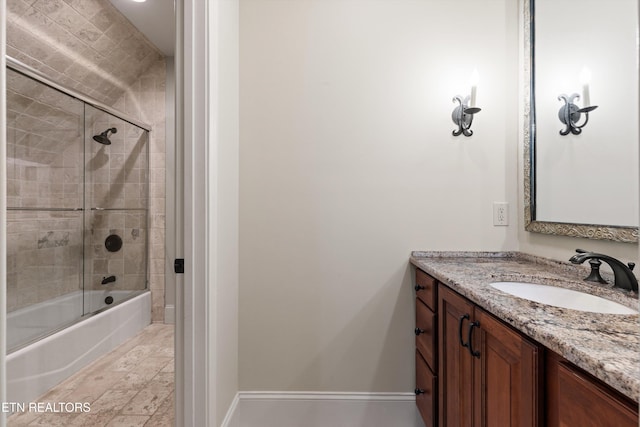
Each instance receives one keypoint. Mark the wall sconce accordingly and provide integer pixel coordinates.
(462, 115)
(569, 114)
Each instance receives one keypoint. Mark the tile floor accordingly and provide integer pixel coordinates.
(131, 386)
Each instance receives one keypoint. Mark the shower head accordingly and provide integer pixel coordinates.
(103, 138)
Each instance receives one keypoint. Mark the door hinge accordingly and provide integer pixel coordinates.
(178, 266)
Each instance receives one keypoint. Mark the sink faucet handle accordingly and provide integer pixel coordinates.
(631, 265)
(623, 276)
(595, 276)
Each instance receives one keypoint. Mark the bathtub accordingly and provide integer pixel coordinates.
(34, 369)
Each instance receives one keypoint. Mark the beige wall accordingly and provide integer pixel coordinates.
(227, 159)
(562, 248)
(347, 163)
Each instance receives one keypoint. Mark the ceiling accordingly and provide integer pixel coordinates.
(154, 19)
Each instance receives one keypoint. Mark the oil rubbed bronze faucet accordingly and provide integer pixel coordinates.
(107, 280)
(623, 274)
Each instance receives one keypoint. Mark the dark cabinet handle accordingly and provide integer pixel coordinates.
(419, 391)
(419, 331)
(470, 344)
(418, 288)
(462, 343)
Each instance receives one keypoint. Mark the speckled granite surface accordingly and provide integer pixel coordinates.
(605, 345)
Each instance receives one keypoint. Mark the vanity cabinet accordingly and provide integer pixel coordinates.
(575, 398)
(488, 371)
(426, 329)
(472, 369)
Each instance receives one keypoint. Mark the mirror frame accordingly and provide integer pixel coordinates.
(589, 231)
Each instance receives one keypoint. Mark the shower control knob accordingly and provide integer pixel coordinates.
(113, 243)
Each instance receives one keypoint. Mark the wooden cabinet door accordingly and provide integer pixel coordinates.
(507, 367)
(574, 398)
(455, 362)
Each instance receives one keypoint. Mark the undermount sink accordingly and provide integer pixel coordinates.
(561, 297)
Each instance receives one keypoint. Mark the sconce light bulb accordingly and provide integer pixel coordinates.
(474, 87)
(475, 77)
(585, 79)
(585, 76)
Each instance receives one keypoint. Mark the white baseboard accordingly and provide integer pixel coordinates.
(169, 314)
(232, 413)
(319, 409)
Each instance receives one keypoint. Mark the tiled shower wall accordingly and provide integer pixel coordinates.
(116, 177)
(86, 45)
(44, 170)
(89, 46)
(149, 91)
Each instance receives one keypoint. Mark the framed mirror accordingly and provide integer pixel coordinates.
(581, 180)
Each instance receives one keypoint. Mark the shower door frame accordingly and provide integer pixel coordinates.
(40, 78)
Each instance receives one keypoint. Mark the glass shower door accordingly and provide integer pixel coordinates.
(45, 133)
(117, 193)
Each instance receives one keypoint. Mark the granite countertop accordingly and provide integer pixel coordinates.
(605, 345)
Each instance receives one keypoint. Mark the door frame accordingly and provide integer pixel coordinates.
(195, 58)
(195, 327)
(3, 210)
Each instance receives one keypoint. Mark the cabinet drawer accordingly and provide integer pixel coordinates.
(426, 391)
(426, 337)
(426, 289)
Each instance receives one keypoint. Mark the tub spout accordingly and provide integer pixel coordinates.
(107, 280)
